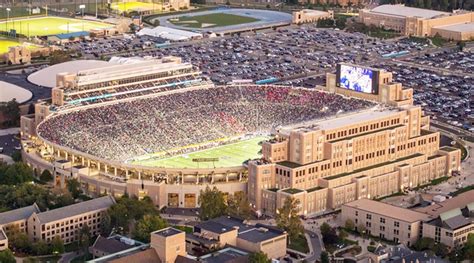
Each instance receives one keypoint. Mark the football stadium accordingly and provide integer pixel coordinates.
(49, 25)
(158, 128)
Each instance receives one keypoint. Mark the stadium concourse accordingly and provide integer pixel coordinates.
(183, 121)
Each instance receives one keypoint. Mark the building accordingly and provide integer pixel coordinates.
(18, 55)
(3, 240)
(342, 3)
(168, 33)
(451, 221)
(66, 222)
(369, 154)
(310, 16)
(116, 244)
(233, 239)
(18, 218)
(411, 21)
(448, 222)
(228, 231)
(385, 221)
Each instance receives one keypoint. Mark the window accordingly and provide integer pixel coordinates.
(369, 216)
(382, 220)
(396, 224)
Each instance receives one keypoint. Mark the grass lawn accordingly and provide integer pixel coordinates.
(187, 229)
(299, 244)
(5, 44)
(212, 20)
(50, 26)
(135, 6)
(229, 155)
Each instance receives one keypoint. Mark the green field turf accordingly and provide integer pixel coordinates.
(229, 155)
(135, 6)
(6, 44)
(212, 20)
(45, 26)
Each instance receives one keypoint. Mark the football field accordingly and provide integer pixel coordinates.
(5, 44)
(229, 155)
(44, 26)
(212, 20)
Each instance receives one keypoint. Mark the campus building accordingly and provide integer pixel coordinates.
(411, 21)
(448, 222)
(384, 221)
(368, 154)
(223, 239)
(66, 222)
(342, 3)
(15, 220)
(310, 16)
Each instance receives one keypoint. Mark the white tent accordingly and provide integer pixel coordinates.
(169, 33)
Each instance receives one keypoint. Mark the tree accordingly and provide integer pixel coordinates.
(428, 4)
(148, 224)
(424, 243)
(6, 256)
(84, 239)
(59, 56)
(57, 246)
(329, 234)
(15, 174)
(361, 229)
(441, 250)
(258, 257)
(349, 225)
(40, 248)
(324, 257)
(16, 156)
(11, 111)
(46, 176)
(343, 234)
(19, 240)
(127, 209)
(212, 203)
(238, 205)
(287, 218)
(74, 187)
(105, 225)
(468, 250)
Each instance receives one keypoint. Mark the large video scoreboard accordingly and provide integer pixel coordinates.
(356, 78)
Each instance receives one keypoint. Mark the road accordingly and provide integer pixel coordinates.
(316, 244)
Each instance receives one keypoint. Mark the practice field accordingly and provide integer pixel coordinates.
(135, 6)
(212, 20)
(45, 26)
(229, 155)
(6, 44)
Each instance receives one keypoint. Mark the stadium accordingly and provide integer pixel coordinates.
(169, 139)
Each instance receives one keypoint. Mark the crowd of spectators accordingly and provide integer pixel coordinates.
(179, 120)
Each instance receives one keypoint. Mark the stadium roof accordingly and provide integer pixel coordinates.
(76, 209)
(10, 91)
(405, 11)
(169, 33)
(388, 210)
(464, 27)
(18, 214)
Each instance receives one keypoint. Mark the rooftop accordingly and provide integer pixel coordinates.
(167, 232)
(145, 256)
(76, 209)
(292, 191)
(459, 201)
(18, 214)
(110, 245)
(388, 210)
(405, 11)
(229, 254)
(448, 148)
(260, 233)
(464, 27)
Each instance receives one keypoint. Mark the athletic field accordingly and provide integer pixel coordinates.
(5, 44)
(134, 6)
(229, 155)
(212, 20)
(45, 26)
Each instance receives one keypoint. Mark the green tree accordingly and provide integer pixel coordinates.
(19, 240)
(443, 4)
(258, 257)
(105, 226)
(46, 176)
(84, 240)
(424, 243)
(40, 248)
(441, 250)
(238, 205)
(343, 234)
(349, 225)
(287, 218)
(74, 187)
(148, 224)
(6, 256)
(15, 174)
(468, 250)
(59, 56)
(324, 257)
(329, 234)
(16, 156)
(212, 203)
(57, 246)
(11, 111)
(119, 217)
(127, 209)
(428, 4)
